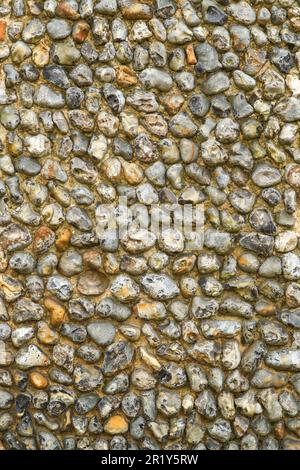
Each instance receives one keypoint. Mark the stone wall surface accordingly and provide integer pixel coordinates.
(135, 340)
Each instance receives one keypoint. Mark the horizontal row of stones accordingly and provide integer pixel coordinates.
(129, 343)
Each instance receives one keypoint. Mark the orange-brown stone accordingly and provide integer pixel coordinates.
(38, 380)
(45, 335)
(125, 76)
(56, 309)
(116, 425)
(190, 55)
(65, 10)
(43, 239)
(132, 172)
(3, 260)
(2, 30)
(80, 31)
(63, 239)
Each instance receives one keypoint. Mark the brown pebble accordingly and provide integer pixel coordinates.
(279, 430)
(172, 103)
(38, 380)
(63, 239)
(92, 258)
(125, 76)
(2, 30)
(132, 172)
(80, 31)
(190, 55)
(64, 10)
(56, 309)
(40, 55)
(137, 11)
(266, 308)
(112, 169)
(116, 425)
(45, 335)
